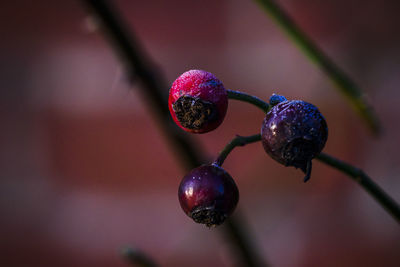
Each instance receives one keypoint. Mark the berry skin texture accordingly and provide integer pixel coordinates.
(198, 101)
(293, 133)
(208, 195)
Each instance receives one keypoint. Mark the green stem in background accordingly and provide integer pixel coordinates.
(237, 141)
(264, 106)
(137, 258)
(140, 68)
(362, 179)
(357, 174)
(315, 54)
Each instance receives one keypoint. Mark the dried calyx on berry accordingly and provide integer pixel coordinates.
(198, 101)
(208, 195)
(293, 133)
(276, 99)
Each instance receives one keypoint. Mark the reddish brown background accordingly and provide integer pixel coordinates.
(85, 170)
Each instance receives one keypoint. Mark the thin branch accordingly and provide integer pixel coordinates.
(154, 88)
(362, 179)
(356, 174)
(237, 141)
(317, 56)
(241, 96)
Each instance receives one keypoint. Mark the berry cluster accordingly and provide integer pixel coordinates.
(293, 133)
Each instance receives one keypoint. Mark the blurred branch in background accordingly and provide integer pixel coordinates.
(316, 55)
(137, 258)
(140, 69)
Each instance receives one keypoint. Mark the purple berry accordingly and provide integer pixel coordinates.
(293, 133)
(208, 195)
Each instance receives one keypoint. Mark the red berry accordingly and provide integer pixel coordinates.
(198, 101)
(208, 195)
(293, 133)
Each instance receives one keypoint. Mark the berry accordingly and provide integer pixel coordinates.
(208, 195)
(198, 101)
(293, 133)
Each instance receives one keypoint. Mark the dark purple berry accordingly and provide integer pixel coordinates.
(293, 133)
(197, 101)
(208, 195)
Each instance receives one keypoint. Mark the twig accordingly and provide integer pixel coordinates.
(237, 141)
(316, 55)
(154, 87)
(241, 96)
(370, 186)
(357, 174)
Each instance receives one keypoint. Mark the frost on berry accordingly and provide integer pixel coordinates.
(293, 133)
(198, 101)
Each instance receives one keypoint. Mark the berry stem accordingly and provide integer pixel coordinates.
(264, 106)
(237, 141)
(340, 79)
(366, 182)
(357, 174)
(137, 258)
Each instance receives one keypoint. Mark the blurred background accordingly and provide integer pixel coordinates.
(85, 170)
